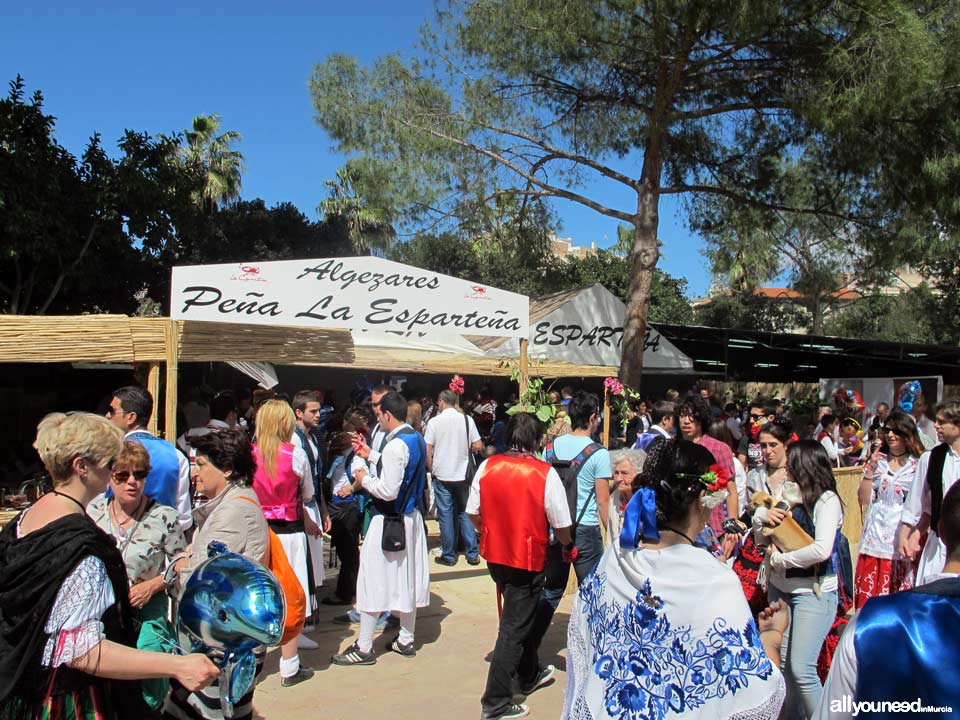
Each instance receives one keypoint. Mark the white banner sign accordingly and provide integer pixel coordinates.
(356, 292)
(587, 329)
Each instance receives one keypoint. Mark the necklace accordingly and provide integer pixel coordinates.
(681, 534)
(70, 497)
(120, 525)
(903, 454)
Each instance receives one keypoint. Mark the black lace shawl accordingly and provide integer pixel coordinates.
(32, 569)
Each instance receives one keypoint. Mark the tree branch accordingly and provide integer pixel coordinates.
(55, 290)
(732, 107)
(549, 189)
(754, 202)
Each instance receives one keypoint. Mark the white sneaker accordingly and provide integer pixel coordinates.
(437, 551)
(305, 643)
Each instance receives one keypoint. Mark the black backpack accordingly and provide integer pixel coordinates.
(569, 470)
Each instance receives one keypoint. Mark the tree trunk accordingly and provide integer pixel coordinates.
(816, 316)
(643, 260)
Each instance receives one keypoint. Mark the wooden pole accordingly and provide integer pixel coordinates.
(172, 341)
(524, 367)
(606, 417)
(153, 387)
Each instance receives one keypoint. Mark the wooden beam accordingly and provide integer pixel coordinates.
(605, 439)
(172, 340)
(153, 387)
(524, 366)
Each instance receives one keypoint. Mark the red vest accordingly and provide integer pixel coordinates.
(279, 496)
(514, 517)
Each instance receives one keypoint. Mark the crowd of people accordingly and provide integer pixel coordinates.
(713, 577)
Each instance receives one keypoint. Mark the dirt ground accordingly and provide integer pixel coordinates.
(444, 680)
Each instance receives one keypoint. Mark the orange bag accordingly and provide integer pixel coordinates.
(293, 593)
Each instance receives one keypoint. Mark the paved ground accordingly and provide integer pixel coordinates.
(444, 680)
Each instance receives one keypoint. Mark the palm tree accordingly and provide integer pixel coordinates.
(370, 229)
(209, 152)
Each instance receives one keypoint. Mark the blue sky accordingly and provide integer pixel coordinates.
(108, 66)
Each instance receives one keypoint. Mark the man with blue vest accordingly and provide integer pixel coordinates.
(395, 579)
(169, 480)
(899, 656)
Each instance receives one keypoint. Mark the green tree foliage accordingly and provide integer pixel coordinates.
(913, 317)
(75, 231)
(747, 311)
(369, 224)
(210, 154)
(531, 98)
(668, 295)
(818, 253)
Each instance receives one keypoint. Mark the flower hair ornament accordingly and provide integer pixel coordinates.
(456, 384)
(714, 481)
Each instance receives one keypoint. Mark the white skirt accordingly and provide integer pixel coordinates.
(397, 581)
(295, 546)
(316, 545)
(932, 560)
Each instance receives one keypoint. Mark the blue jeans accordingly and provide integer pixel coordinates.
(589, 544)
(451, 500)
(810, 620)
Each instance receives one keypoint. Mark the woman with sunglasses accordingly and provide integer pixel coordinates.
(149, 536)
(67, 627)
(887, 478)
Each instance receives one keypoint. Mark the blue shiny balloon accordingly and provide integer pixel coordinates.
(228, 606)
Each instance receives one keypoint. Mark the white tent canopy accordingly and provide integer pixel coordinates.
(585, 327)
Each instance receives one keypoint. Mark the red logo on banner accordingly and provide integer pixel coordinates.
(479, 289)
(250, 269)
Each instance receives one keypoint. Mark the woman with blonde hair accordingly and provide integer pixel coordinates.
(67, 630)
(284, 485)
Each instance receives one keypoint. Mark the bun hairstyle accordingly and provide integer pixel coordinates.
(671, 470)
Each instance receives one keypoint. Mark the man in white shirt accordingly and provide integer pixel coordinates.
(451, 437)
(223, 416)
(169, 479)
(306, 408)
(513, 515)
(937, 471)
(394, 580)
(664, 416)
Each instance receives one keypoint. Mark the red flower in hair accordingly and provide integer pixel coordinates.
(715, 479)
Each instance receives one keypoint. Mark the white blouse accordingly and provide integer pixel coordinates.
(880, 523)
(74, 624)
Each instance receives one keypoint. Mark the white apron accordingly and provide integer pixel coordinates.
(397, 581)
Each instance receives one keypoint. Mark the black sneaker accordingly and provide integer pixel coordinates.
(512, 711)
(443, 561)
(304, 673)
(353, 655)
(407, 650)
(473, 561)
(544, 677)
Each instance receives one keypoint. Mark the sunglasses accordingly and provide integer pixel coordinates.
(898, 433)
(761, 416)
(123, 475)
